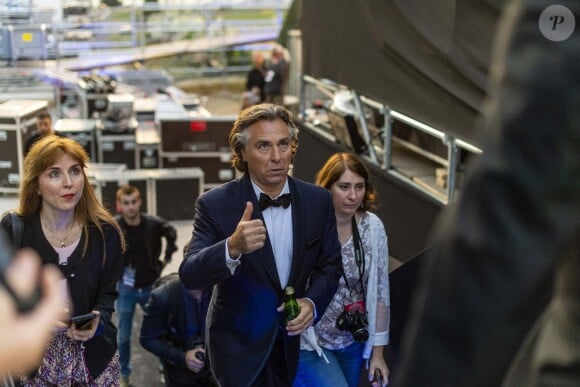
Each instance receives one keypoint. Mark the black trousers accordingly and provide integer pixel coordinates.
(275, 371)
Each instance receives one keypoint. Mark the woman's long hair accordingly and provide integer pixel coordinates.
(45, 153)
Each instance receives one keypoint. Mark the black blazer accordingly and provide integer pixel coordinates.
(242, 321)
(91, 281)
(164, 330)
(155, 229)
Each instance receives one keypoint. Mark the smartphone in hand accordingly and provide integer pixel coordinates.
(83, 321)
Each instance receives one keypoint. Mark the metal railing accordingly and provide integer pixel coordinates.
(382, 155)
(137, 26)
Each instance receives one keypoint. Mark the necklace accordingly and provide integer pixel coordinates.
(55, 234)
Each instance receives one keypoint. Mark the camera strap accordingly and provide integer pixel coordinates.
(359, 258)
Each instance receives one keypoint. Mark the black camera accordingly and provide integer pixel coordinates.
(196, 342)
(355, 322)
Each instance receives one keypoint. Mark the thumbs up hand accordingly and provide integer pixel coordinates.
(249, 235)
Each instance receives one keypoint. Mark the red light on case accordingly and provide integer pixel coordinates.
(197, 126)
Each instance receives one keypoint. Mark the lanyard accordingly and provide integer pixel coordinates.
(359, 258)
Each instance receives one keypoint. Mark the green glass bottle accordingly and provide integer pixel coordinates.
(291, 308)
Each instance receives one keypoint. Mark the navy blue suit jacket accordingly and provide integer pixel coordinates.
(242, 321)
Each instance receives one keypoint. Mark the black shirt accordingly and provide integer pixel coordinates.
(136, 256)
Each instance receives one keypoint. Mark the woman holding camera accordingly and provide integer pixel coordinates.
(355, 326)
(62, 220)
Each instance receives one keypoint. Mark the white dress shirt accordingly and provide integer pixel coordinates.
(278, 222)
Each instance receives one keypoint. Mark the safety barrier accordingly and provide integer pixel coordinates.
(380, 151)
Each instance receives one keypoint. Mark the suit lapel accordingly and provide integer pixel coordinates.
(265, 255)
(298, 231)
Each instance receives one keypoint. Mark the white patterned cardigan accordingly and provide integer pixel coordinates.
(374, 240)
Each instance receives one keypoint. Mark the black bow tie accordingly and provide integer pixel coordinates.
(266, 202)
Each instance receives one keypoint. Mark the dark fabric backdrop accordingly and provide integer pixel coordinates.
(427, 59)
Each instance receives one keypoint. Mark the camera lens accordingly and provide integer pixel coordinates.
(361, 335)
(355, 323)
(200, 356)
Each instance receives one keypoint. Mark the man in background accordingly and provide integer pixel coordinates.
(142, 267)
(43, 128)
(173, 329)
(276, 78)
(255, 82)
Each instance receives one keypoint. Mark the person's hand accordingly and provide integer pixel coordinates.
(192, 362)
(304, 319)
(249, 235)
(378, 363)
(24, 337)
(85, 334)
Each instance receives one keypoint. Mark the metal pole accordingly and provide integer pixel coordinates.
(133, 27)
(144, 27)
(449, 140)
(365, 128)
(59, 82)
(387, 138)
(302, 98)
(295, 48)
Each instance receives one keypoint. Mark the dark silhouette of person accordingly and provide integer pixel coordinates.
(255, 82)
(142, 266)
(173, 329)
(499, 303)
(276, 78)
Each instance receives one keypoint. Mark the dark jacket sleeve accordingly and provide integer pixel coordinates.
(328, 268)
(6, 223)
(204, 263)
(170, 234)
(154, 327)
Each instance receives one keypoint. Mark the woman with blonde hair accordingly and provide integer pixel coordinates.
(60, 217)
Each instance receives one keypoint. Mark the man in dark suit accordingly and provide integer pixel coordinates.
(500, 302)
(252, 249)
(173, 329)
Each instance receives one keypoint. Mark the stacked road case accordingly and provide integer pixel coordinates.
(169, 193)
(17, 122)
(198, 142)
(82, 131)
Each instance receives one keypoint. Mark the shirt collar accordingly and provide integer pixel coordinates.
(258, 191)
